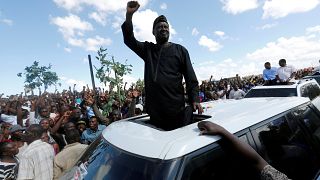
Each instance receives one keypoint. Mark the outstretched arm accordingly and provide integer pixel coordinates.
(127, 31)
(243, 149)
(132, 7)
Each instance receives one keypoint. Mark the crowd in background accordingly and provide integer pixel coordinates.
(70, 120)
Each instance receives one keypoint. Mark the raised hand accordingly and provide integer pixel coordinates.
(132, 7)
(135, 93)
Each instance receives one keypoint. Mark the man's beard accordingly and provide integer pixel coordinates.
(162, 39)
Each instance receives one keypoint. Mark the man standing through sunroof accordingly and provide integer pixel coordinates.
(166, 64)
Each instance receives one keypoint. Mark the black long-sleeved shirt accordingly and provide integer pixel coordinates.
(164, 69)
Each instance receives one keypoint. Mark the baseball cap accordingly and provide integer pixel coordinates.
(139, 106)
(81, 122)
(16, 128)
(161, 18)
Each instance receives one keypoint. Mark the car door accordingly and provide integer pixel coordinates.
(217, 162)
(287, 144)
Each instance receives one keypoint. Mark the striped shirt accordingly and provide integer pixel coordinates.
(7, 170)
(37, 161)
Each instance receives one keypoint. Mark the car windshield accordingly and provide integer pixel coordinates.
(108, 162)
(317, 78)
(271, 92)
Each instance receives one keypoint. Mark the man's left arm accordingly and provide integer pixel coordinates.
(293, 73)
(192, 85)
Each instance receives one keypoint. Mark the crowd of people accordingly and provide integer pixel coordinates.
(71, 120)
(236, 87)
(43, 135)
(66, 121)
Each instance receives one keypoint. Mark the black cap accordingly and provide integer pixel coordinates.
(161, 18)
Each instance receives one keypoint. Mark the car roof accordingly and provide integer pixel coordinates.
(310, 76)
(290, 86)
(293, 86)
(233, 115)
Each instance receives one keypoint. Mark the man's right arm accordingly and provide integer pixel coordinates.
(127, 30)
(264, 73)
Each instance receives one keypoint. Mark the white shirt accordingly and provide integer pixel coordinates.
(236, 94)
(33, 119)
(22, 149)
(220, 93)
(37, 161)
(9, 119)
(285, 72)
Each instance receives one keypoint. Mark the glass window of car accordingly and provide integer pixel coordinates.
(310, 121)
(272, 92)
(284, 145)
(310, 90)
(218, 162)
(106, 161)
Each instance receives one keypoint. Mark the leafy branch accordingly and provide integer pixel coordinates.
(112, 72)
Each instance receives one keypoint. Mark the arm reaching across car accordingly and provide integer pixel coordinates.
(242, 149)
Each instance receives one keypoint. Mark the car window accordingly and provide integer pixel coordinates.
(218, 163)
(106, 161)
(311, 122)
(316, 104)
(285, 146)
(317, 78)
(310, 90)
(272, 92)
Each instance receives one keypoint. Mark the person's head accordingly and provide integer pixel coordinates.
(72, 136)
(138, 110)
(76, 113)
(235, 87)
(93, 123)
(69, 126)
(44, 112)
(45, 137)
(16, 132)
(8, 149)
(5, 130)
(81, 126)
(221, 86)
(282, 62)
(115, 115)
(160, 29)
(33, 132)
(267, 65)
(45, 123)
(54, 108)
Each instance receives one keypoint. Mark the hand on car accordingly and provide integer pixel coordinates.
(209, 128)
(197, 106)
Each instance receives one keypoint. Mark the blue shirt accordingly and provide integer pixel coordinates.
(90, 112)
(88, 136)
(269, 74)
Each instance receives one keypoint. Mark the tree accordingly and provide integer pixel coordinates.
(111, 72)
(37, 76)
(139, 85)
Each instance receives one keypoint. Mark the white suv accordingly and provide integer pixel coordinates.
(284, 131)
(302, 88)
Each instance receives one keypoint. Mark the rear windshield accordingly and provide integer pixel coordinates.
(272, 92)
(108, 162)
